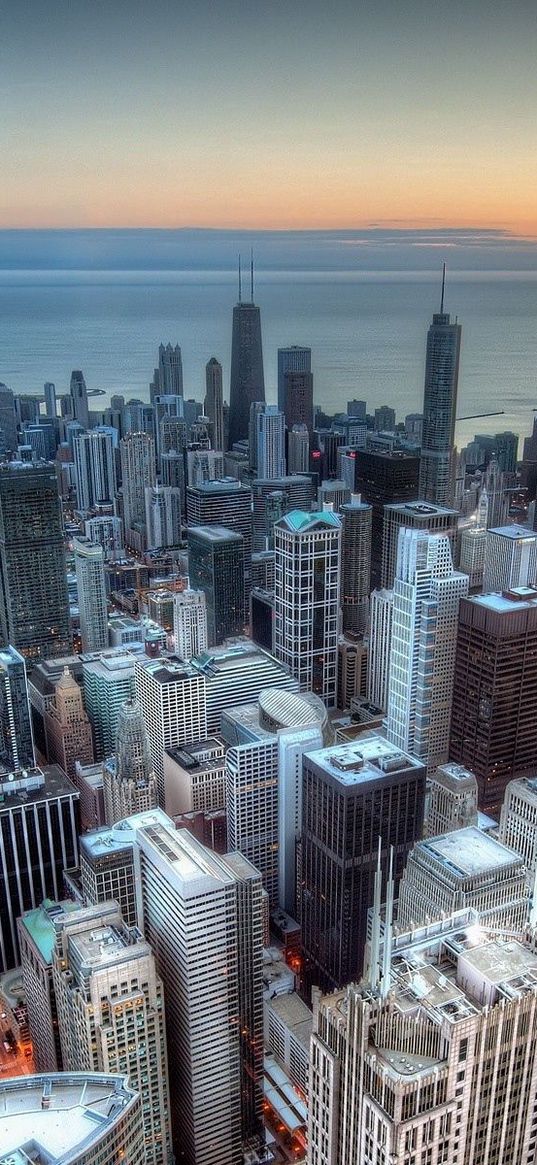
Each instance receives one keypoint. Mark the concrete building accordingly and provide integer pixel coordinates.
(170, 370)
(129, 781)
(380, 642)
(464, 868)
(108, 680)
(110, 1006)
(67, 726)
(88, 779)
(518, 820)
(352, 670)
(214, 401)
(288, 1027)
(172, 697)
(236, 674)
(137, 471)
(95, 473)
(70, 1118)
(510, 559)
(272, 499)
(270, 443)
(195, 777)
(371, 789)
(91, 592)
(439, 409)
(295, 361)
(162, 516)
(426, 596)
(107, 531)
(451, 800)
(298, 450)
(228, 504)
(306, 599)
(422, 516)
(383, 478)
(37, 937)
(252, 808)
(355, 565)
(190, 623)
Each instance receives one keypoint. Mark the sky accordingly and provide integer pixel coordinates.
(269, 114)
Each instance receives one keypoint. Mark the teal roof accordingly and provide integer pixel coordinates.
(40, 927)
(300, 520)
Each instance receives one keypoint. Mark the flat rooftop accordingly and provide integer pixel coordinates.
(39, 785)
(368, 758)
(81, 1105)
(296, 1016)
(420, 510)
(514, 533)
(518, 599)
(469, 851)
(39, 924)
(110, 839)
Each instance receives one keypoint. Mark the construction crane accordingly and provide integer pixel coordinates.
(475, 416)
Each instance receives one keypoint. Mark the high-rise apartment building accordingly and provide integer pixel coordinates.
(137, 472)
(162, 516)
(79, 398)
(294, 359)
(213, 405)
(16, 737)
(129, 781)
(270, 443)
(355, 565)
(415, 516)
(170, 370)
(216, 568)
(384, 419)
(107, 531)
(380, 643)
(95, 475)
(438, 1063)
(67, 726)
(383, 478)
(173, 702)
(426, 596)
(439, 409)
(34, 604)
(510, 558)
(91, 592)
(247, 382)
(371, 790)
(306, 597)
(190, 623)
(110, 1006)
(493, 723)
(274, 498)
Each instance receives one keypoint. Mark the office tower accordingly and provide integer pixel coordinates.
(493, 723)
(225, 503)
(457, 1082)
(203, 919)
(203, 465)
(464, 868)
(380, 641)
(216, 567)
(510, 558)
(110, 1004)
(261, 617)
(67, 726)
(298, 450)
(34, 604)
(94, 469)
(332, 495)
(306, 597)
(172, 433)
(252, 808)
(129, 781)
(189, 623)
(58, 1114)
(274, 498)
(426, 596)
(473, 547)
(451, 800)
(382, 479)
(213, 405)
(357, 408)
(79, 399)
(106, 531)
(137, 472)
(237, 674)
(247, 382)
(372, 790)
(138, 417)
(195, 777)
(50, 399)
(439, 409)
(107, 867)
(37, 442)
(39, 829)
(384, 419)
(88, 779)
(162, 516)
(297, 404)
(270, 443)
(36, 945)
(257, 407)
(16, 739)
(518, 821)
(355, 565)
(414, 516)
(8, 420)
(172, 698)
(108, 680)
(170, 370)
(172, 471)
(91, 591)
(324, 457)
(169, 408)
(293, 360)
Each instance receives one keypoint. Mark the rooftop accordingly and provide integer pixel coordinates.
(36, 785)
(368, 758)
(515, 533)
(298, 521)
(215, 533)
(80, 1107)
(517, 599)
(100, 842)
(469, 851)
(420, 509)
(40, 927)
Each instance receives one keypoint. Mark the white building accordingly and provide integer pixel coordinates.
(270, 443)
(518, 821)
(91, 590)
(162, 516)
(190, 623)
(252, 807)
(129, 781)
(94, 469)
(380, 641)
(173, 701)
(107, 531)
(510, 558)
(306, 599)
(195, 777)
(426, 595)
(451, 801)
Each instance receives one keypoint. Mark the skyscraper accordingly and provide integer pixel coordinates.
(298, 400)
(34, 604)
(380, 479)
(162, 516)
(380, 641)
(91, 589)
(270, 443)
(50, 399)
(298, 450)
(226, 503)
(170, 367)
(108, 680)
(172, 698)
(137, 472)
(16, 738)
(110, 1004)
(306, 593)
(8, 420)
(129, 781)
(293, 360)
(79, 398)
(94, 469)
(67, 726)
(426, 596)
(510, 558)
(355, 565)
(415, 516)
(190, 623)
(214, 401)
(216, 567)
(439, 408)
(247, 379)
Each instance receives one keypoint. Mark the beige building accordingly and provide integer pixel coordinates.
(67, 726)
(129, 781)
(195, 777)
(451, 801)
(518, 821)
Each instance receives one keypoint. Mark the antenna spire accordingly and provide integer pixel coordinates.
(240, 280)
(252, 273)
(443, 288)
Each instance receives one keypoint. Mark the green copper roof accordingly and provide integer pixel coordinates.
(40, 927)
(300, 520)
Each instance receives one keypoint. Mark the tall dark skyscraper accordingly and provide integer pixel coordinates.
(355, 565)
(8, 420)
(170, 370)
(247, 379)
(383, 478)
(439, 408)
(214, 401)
(215, 566)
(292, 360)
(34, 604)
(16, 740)
(79, 398)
